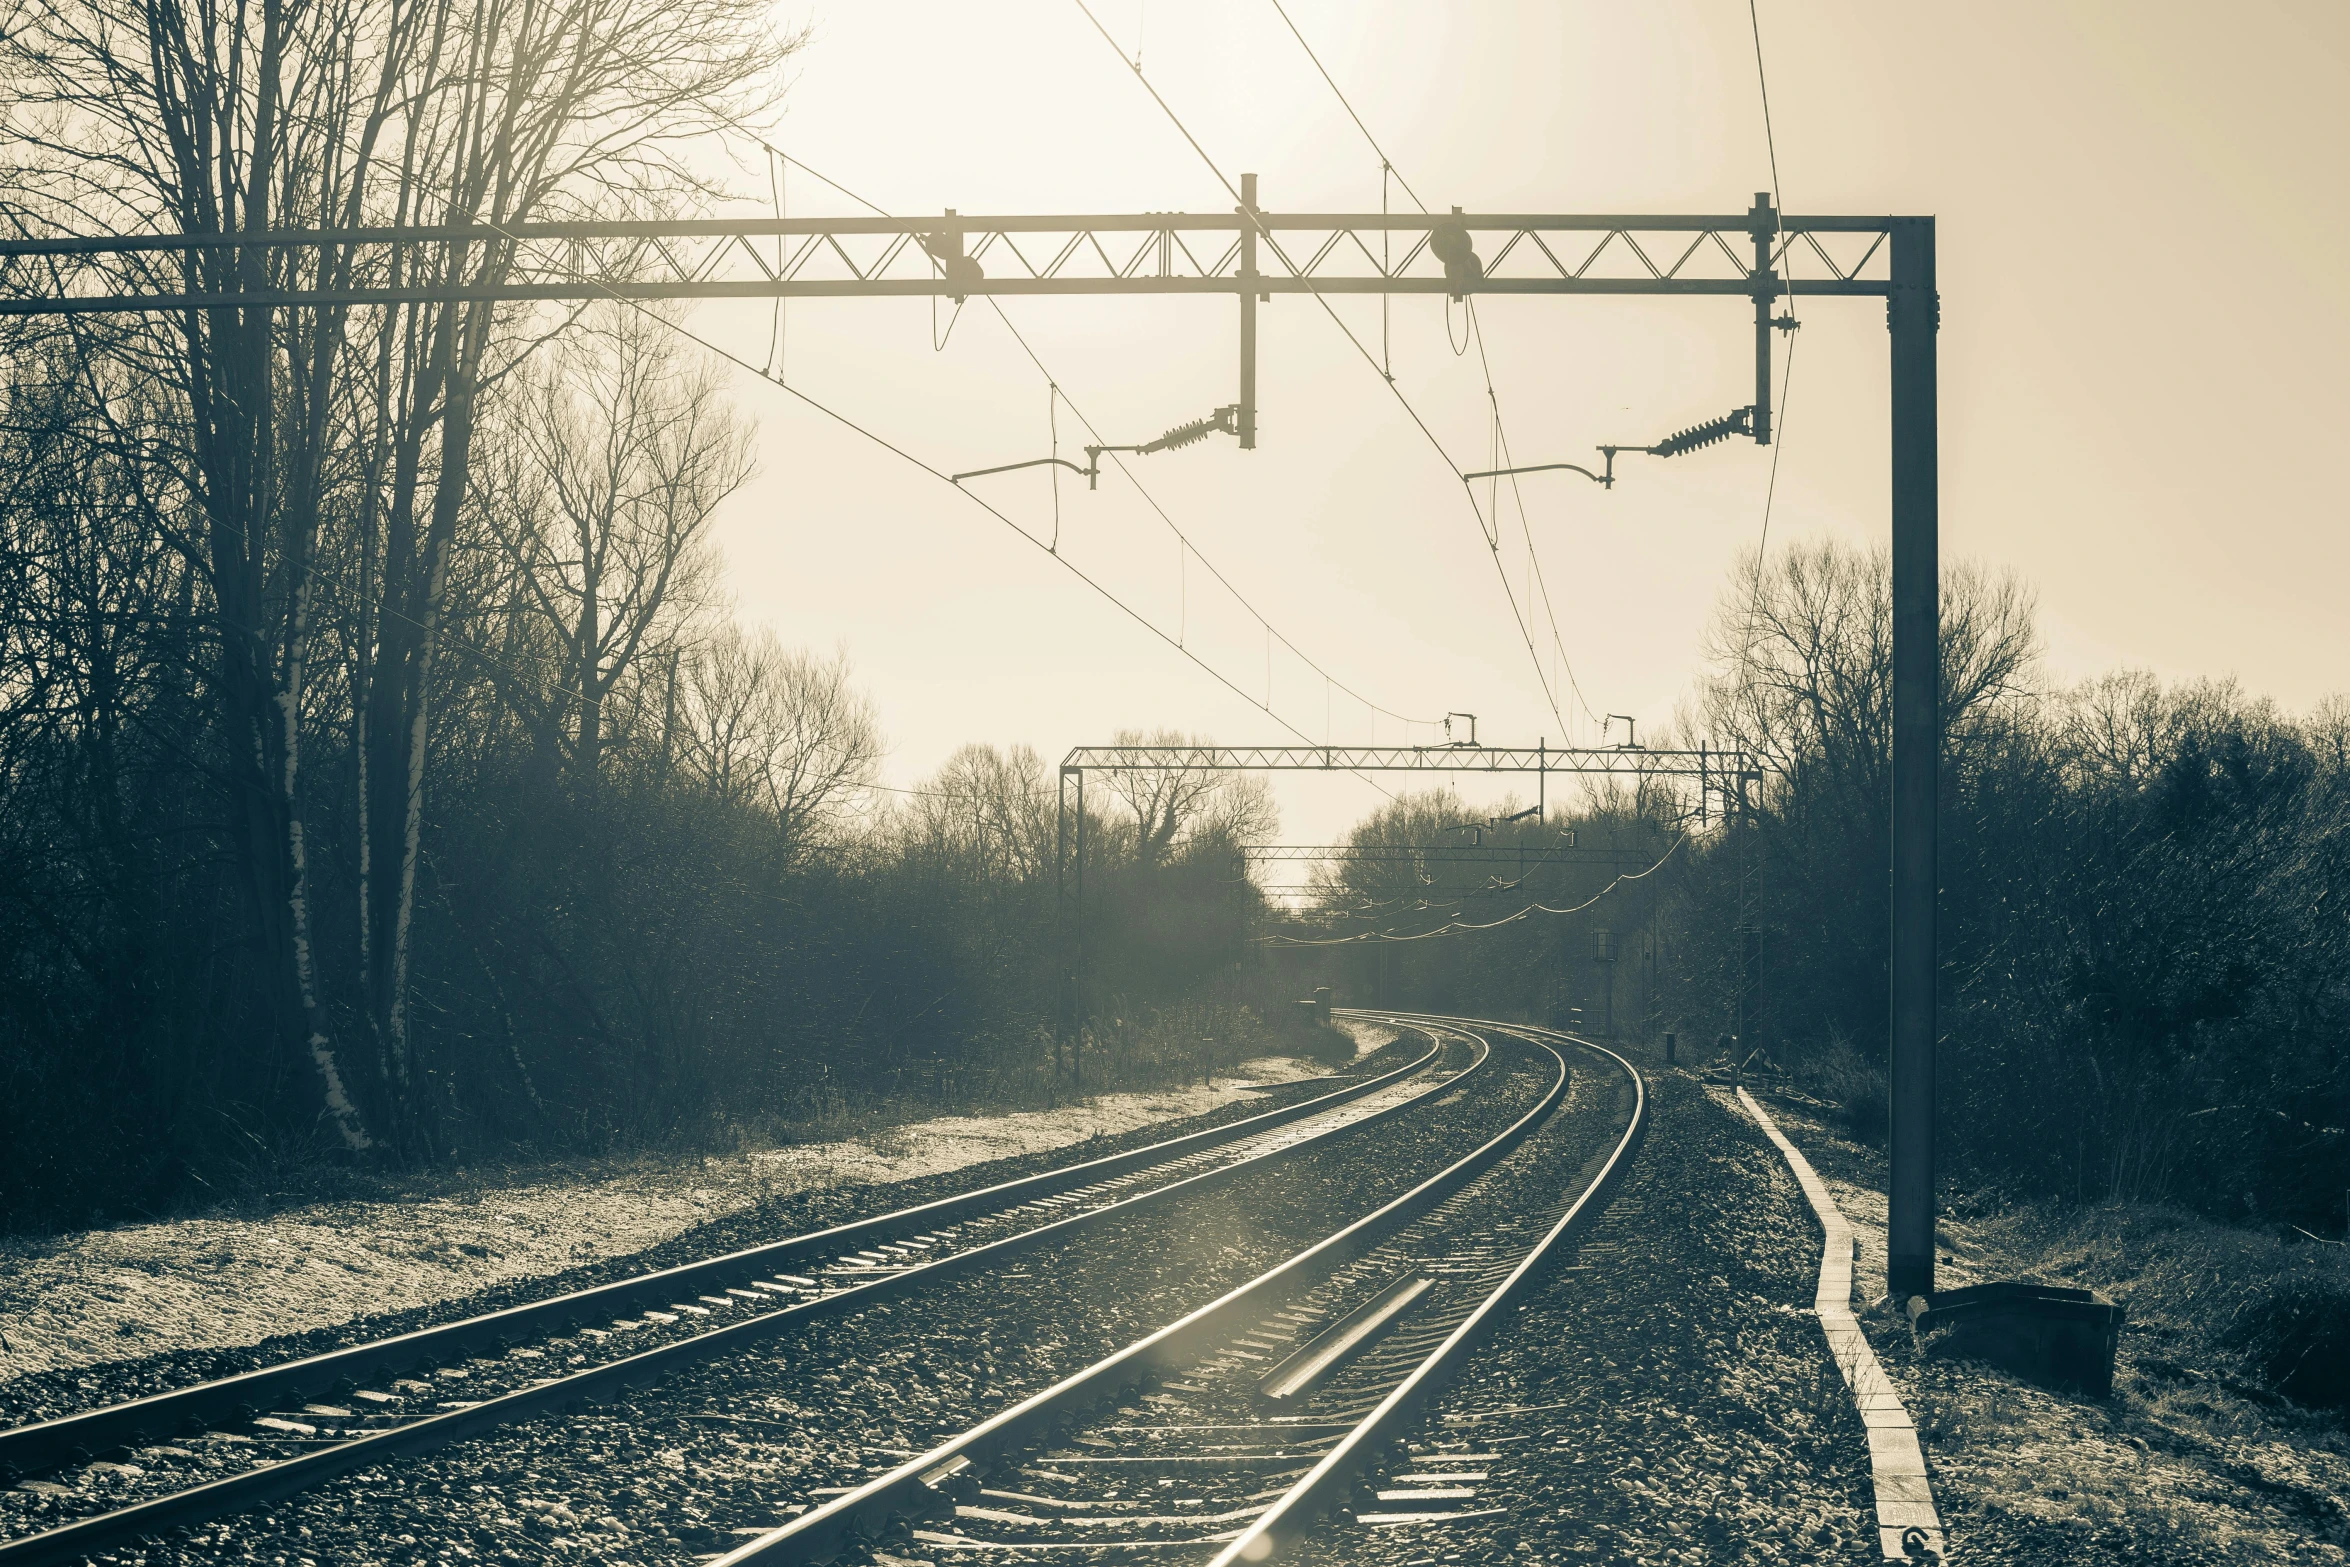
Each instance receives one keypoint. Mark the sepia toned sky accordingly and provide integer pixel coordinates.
(2142, 233)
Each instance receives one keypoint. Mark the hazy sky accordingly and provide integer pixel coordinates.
(2140, 215)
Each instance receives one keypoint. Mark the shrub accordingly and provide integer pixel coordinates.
(1854, 1083)
(2298, 1332)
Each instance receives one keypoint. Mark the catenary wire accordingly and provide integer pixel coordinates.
(1492, 397)
(1762, 81)
(1525, 525)
(1466, 927)
(1192, 551)
(1126, 472)
(1387, 166)
(834, 414)
(1384, 161)
(1550, 697)
(1459, 927)
(1787, 373)
(1187, 550)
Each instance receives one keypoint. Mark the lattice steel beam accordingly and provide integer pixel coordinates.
(1703, 764)
(884, 257)
(1407, 853)
(1247, 254)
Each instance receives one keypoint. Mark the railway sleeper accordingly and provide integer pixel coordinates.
(824, 1533)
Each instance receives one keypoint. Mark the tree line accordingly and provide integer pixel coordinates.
(2145, 983)
(383, 774)
(2146, 969)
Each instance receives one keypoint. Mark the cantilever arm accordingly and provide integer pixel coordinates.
(1607, 481)
(1033, 462)
(1181, 435)
(1738, 421)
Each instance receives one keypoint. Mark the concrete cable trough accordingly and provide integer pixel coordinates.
(1908, 1526)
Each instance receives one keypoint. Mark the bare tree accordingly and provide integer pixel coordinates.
(600, 506)
(149, 117)
(1409, 821)
(2117, 729)
(261, 115)
(2329, 735)
(779, 731)
(540, 110)
(995, 806)
(1244, 811)
(1801, 650)
(1170, 804)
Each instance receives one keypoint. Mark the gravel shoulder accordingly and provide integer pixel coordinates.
(2190, 1460)
(112, 1313)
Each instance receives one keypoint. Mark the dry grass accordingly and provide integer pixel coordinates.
(252, 1270)
(2195, 1458)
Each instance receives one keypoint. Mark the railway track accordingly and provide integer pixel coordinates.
(200, 1452)
(1224, 1436)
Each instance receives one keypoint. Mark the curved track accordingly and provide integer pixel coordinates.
(278, 1430)
(1223, 1436)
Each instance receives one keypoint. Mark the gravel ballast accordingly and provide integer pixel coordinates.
(1161, 1469)
(1664, 1395)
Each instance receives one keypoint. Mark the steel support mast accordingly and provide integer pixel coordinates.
(1913, 317)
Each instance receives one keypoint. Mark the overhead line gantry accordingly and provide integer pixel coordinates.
(1738, 256)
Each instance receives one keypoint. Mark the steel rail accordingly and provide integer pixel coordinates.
(73, 1438)
(1325, 1487)
(31, 1449)
(926, 1485)
(647, 1368)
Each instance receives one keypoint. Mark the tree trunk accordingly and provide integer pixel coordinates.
(587, 756)
(402, 725)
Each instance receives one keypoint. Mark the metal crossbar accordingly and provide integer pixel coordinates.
(1888, 257)
(880, 257)
(1703, 763)
(1414, 853)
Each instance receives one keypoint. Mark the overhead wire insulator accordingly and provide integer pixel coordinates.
(965, 275)
(1739, 421)
(1198, 430)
